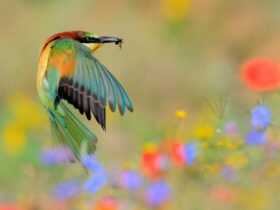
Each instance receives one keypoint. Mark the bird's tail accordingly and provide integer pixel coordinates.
(68, 130)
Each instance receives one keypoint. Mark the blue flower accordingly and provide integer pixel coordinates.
(91, 164)
(189, 151)
(255, 137)
(260, 117)
(94, 182)
(66, 189)
(56, 155)
(97, 177)
(130, 179)
(229, 173)
(157, 192)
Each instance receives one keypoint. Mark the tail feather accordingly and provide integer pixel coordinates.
(68, 130)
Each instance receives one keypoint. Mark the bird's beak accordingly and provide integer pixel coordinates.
(97, 42)
(108, 39)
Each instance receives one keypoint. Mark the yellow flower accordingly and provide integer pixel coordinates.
(150, 147)
(25, 110)
(175, 9)
(236, 160)
(212, 168)
(254, 198)
(258, 199)
(180, 114)
(272, 169)
(231, 145)
(203, 131)
(221, 142)
(229, 142)
(14, 137)
(25, 114)
(204, 144)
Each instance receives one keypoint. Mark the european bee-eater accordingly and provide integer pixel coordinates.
(68, 71)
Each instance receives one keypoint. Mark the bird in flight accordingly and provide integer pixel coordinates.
(68, 72)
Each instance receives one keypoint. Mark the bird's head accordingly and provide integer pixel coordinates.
(90, 40)
(93, 41)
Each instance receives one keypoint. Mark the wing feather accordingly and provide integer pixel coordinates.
(89, 85)
(112, 94)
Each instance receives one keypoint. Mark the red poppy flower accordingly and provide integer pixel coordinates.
(175, 150)
(261, 74)
(9, 207)
(152, 163)
(223, 194)
(106, 203)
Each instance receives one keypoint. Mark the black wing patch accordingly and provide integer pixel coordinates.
(81, 100)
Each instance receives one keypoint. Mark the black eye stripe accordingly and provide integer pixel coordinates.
(84, 39)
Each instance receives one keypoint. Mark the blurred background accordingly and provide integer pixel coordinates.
(180, 64)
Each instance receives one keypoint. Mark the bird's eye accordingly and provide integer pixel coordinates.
(84, 39)
(87, 39)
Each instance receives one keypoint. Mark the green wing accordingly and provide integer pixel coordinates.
(88, 84)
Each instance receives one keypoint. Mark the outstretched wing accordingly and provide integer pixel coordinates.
(85, 82)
